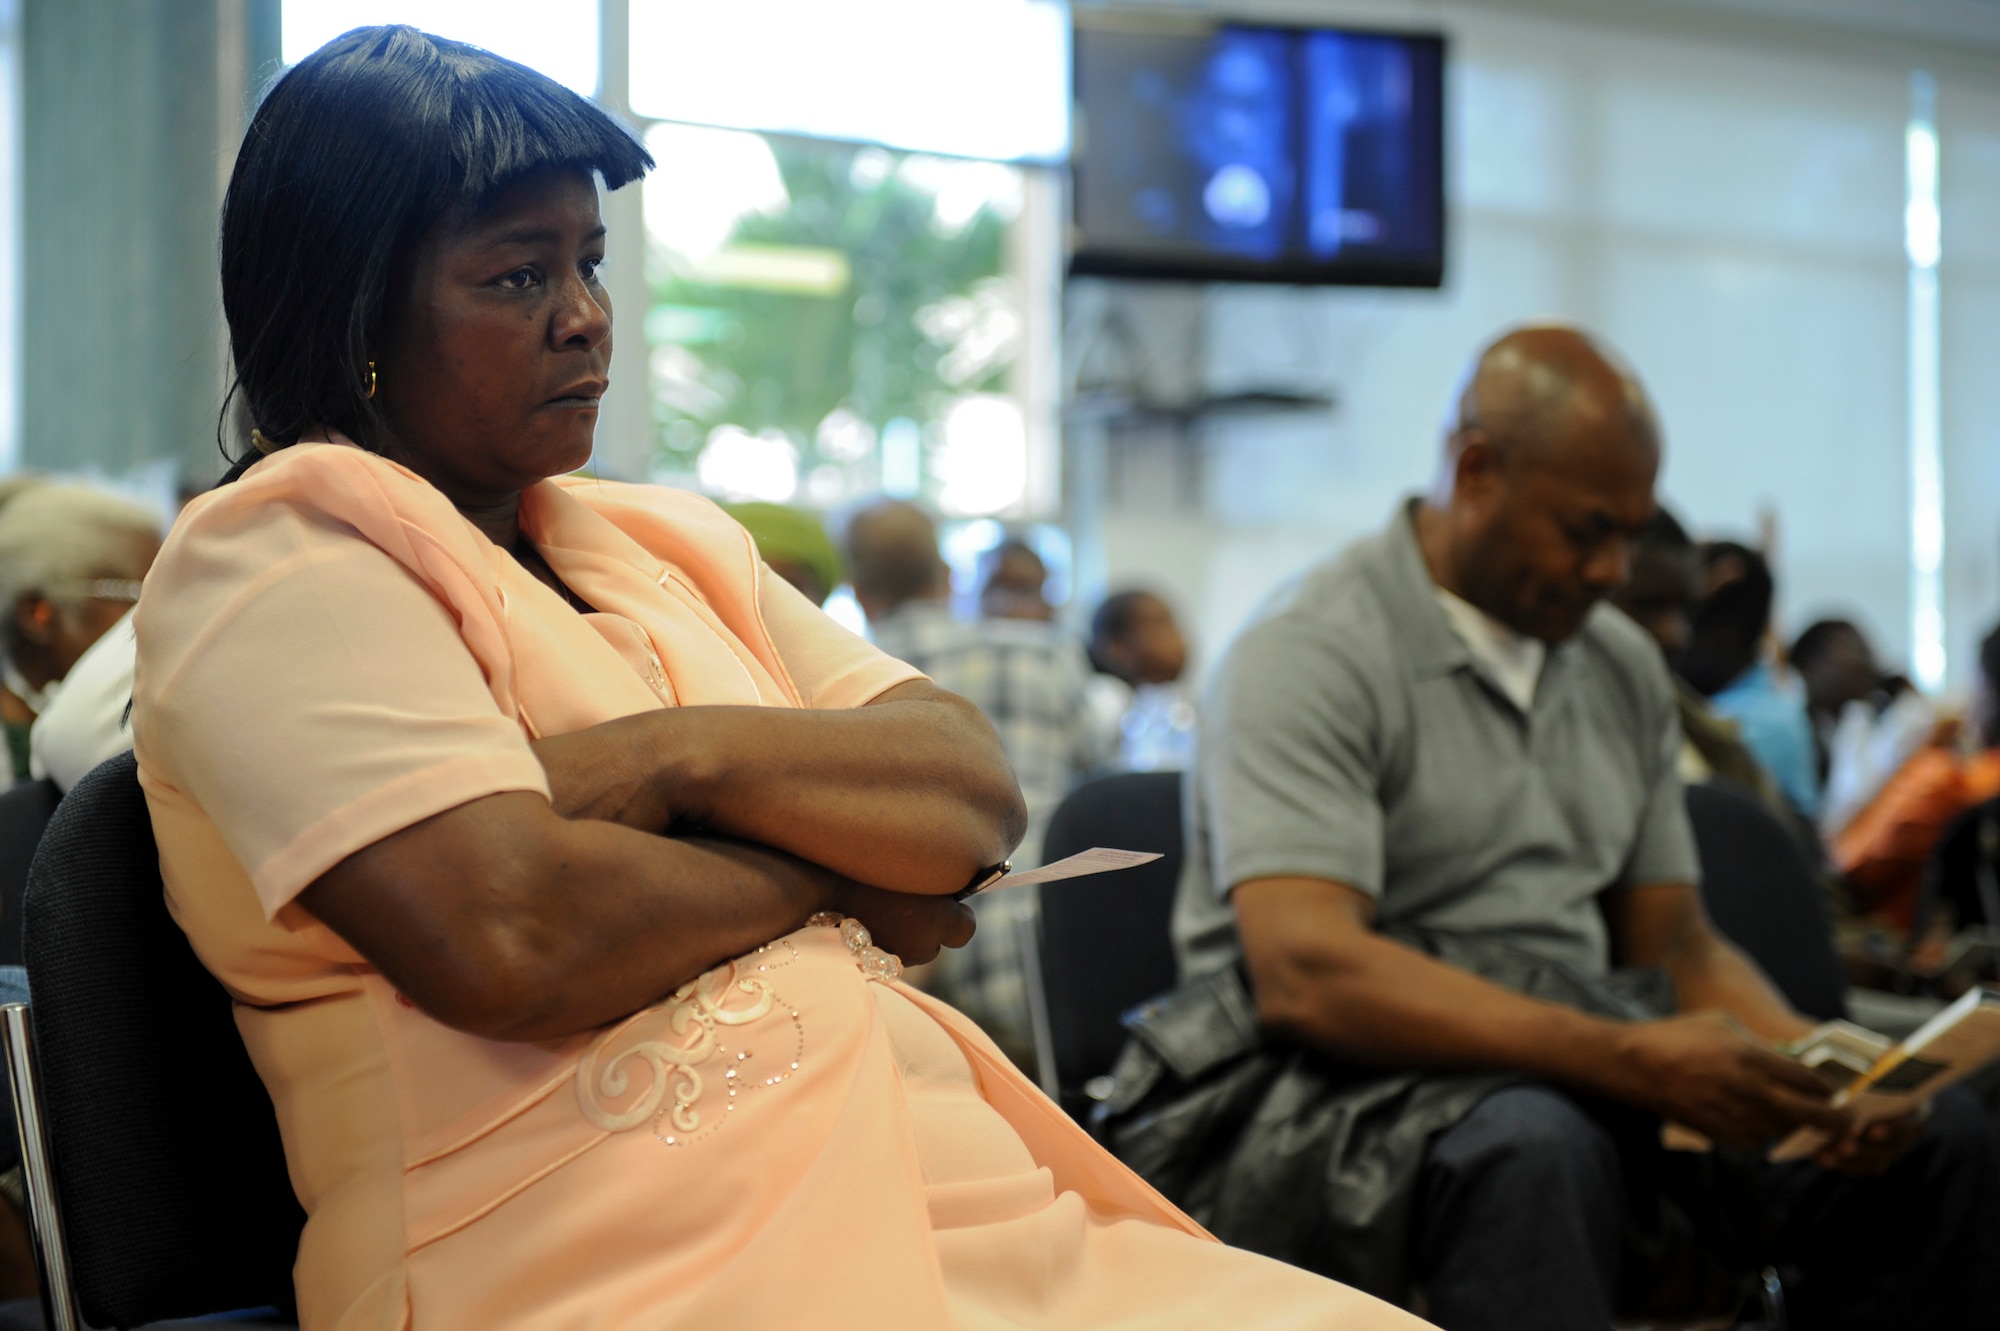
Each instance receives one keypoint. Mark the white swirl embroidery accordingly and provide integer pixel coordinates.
(694, 1014)
(729, 995)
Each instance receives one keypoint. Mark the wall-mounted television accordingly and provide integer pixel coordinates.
(1236, 152)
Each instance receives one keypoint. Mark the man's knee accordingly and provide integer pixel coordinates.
(1523, 1152)
(1529, 1137)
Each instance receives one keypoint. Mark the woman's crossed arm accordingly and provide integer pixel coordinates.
(502, 919)
(519, 918)
(910, 793)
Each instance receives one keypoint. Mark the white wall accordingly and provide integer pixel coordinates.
(1969, 278)
(10, 234)
(1728, 213)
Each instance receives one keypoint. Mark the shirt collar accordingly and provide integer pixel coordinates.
(1512, 662)
(1409, 593)
(1466, 619)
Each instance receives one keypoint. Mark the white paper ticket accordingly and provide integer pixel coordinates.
(1101, 859)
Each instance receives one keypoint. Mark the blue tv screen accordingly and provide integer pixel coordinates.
(1256, 153)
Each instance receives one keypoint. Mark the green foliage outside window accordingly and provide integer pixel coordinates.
(910, 329)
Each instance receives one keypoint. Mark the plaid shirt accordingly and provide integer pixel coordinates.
(1032, 681)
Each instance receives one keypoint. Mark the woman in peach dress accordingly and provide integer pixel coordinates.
(558, 855)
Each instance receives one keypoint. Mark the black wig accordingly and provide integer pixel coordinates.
(355, 152)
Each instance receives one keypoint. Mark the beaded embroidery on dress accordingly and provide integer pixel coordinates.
(732, 995)
(697, 1017)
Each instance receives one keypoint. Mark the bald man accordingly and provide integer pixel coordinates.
(1436, 829)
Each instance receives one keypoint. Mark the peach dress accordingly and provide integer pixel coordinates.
(329, 652)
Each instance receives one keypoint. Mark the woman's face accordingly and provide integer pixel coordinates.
(499, 348)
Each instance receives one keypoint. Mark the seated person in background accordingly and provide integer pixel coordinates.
(1726, 662)
(795, 544)
(1836, 664)
(1026, 675)
(1135, 641)
(1030, 680)
(1866, 722)
(71, 561)
(72, 558)
(470, 779)
(1435, 804)
(1884, 848)
(1013, 581)
(1659, 597)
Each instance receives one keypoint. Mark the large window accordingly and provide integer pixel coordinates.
(831, 320)
(834, 309)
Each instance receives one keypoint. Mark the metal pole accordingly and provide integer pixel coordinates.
(1922, 239)
(1029, 926)
(37, 1176)
(624, 449)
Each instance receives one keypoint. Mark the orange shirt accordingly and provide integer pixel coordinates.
(1883, 850)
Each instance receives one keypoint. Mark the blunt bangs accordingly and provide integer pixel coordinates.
(353, 155)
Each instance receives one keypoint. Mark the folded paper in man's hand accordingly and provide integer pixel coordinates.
(1959, 1040)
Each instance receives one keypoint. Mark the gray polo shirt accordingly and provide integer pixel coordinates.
(1349, 734)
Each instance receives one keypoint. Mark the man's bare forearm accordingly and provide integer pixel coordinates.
(1378, 1002)
(1717, 977)
(1664, 925)
(1323, 975)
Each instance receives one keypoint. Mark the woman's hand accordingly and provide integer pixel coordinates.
(911, 926)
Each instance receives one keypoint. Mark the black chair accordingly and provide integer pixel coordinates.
(1104, 944)
(1963, 872)
(155, 1176)
(1764, 897)
(24, 812)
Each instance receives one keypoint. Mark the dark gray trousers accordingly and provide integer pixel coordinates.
(1522, 1207)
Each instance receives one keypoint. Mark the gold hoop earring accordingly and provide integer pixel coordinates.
(371, 379)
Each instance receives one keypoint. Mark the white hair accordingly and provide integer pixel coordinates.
(54, 539)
